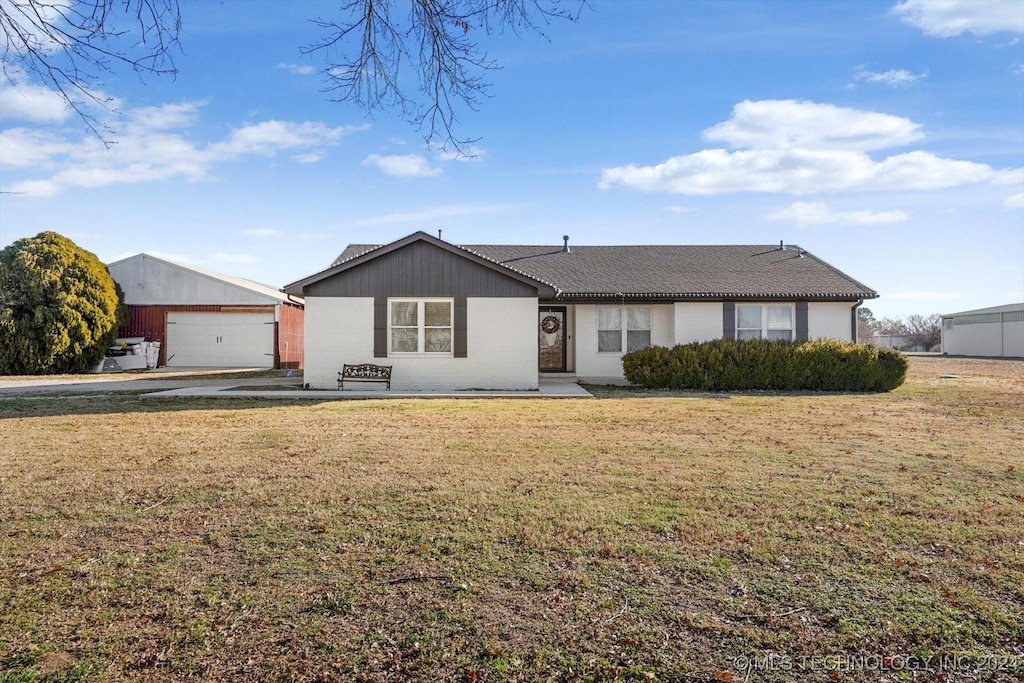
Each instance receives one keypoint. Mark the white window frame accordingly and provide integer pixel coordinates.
(624, 328)
(766, 326)
(421, 328)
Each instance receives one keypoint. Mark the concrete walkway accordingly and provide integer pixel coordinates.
(206, 383)
(546, 390)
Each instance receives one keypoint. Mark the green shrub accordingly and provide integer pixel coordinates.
(59, 307)
(729, 365)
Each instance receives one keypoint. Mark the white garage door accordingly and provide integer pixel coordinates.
(221, 340)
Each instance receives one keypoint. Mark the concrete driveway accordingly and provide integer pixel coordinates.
(155, 380)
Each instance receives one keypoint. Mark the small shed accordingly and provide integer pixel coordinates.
(207, 319)
(995, 332)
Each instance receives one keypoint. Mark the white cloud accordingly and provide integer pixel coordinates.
(948, 18)
(1017, 69)
(153, 144)
(24, 147)
(893, 77)
(33, 188)
(787, 124)
(32, 103)
(817, 213)
(798, 172)
(805, 148)
(446, 211)
(262, 232)
(235, 258)
(26, 101)
(680, 209)
(299, 69)
(402, 166)
(164, 117)
(309, 157)
(269, 137)
(924, 295)
(1015, 201)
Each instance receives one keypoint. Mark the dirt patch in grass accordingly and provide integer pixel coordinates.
(777, 538)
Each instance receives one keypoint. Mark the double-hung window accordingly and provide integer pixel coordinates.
(774, 323)
(623, 327)
(421, 326)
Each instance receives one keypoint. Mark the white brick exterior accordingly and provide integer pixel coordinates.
(830, 319)
(606, 368)
(337, 331)
(697, 322)
(501, 342)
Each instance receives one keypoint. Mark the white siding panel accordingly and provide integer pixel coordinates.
(697, 322)
(1013, 339)
(830, 320)
(994, 339)
(337, 331)
(224, 340)
(983, 339)
(501, 344)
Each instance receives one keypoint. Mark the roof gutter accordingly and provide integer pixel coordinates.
(853, 320)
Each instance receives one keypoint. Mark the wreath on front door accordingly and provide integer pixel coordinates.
(550, 324)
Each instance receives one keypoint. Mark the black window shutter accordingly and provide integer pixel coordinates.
(801, 321)
(729, 319)
(380, 327)
(460, 347)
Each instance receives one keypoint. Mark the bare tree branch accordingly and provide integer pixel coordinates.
(924, 331)
(69, 44)
(370, 49)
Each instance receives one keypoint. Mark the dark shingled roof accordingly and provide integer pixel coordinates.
(671, 272)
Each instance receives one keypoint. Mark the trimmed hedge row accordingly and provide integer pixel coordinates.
(729, 365)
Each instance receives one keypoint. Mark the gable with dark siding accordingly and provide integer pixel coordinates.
(420, 269)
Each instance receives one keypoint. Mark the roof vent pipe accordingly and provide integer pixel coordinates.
(781, 248)
(439, 233)
(565, 244)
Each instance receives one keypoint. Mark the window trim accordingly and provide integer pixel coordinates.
(623, 328)
(766, 327)
(421, 327)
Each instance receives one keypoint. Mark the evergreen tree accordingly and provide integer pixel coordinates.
(59, 307)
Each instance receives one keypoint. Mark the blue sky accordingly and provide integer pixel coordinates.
(885, 137)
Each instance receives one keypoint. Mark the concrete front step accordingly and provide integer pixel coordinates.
(569, 377)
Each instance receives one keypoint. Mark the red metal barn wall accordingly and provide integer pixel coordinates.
(151, 322)
(290, 336)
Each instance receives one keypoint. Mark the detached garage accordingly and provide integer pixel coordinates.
(208, 319)
(995, 332)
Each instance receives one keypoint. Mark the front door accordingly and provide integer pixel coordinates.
(551, 339)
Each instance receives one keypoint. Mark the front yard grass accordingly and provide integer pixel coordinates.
(752, 537)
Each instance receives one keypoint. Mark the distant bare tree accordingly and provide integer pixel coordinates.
(375, 40)
(68, 44)
(924, 331)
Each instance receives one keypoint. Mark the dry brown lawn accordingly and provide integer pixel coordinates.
(748, 537)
